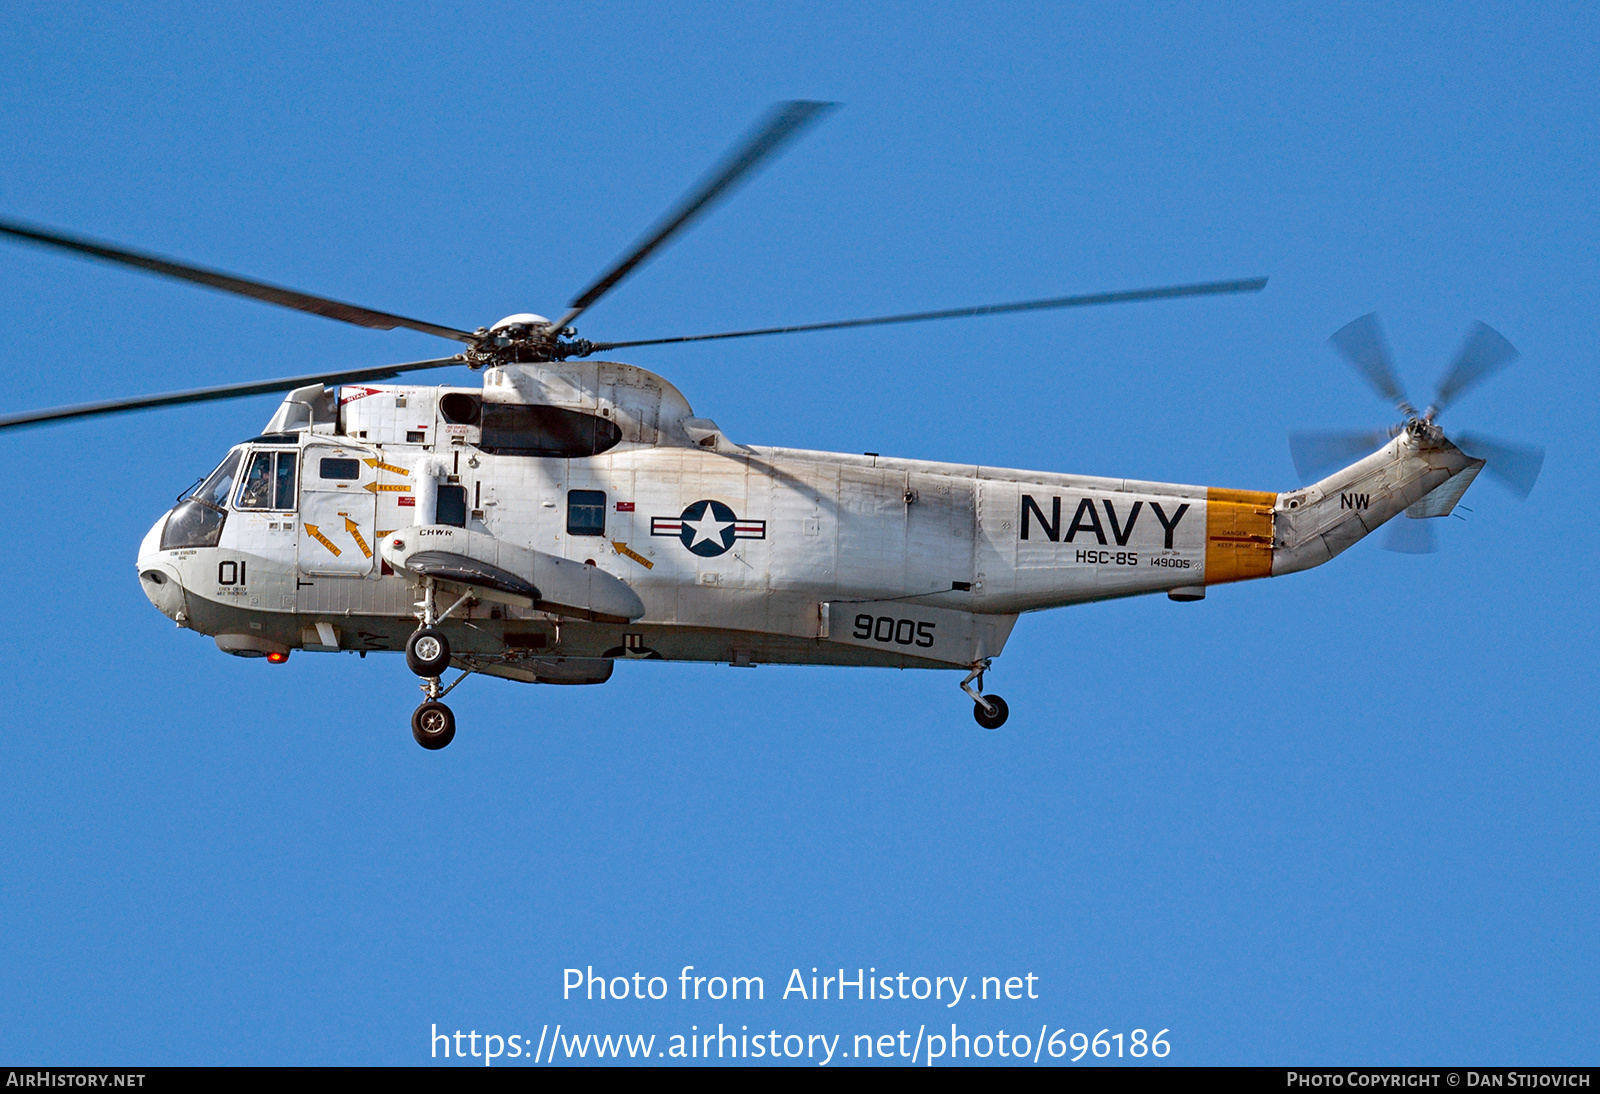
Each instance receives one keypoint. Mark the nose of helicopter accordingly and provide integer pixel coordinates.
(160, 579)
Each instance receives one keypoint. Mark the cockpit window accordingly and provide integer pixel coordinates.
(268, 482)
(256, 493)
(215, 490)
(197, 522)
(285, 484)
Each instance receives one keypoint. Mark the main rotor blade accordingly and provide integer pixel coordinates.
(1317, 453)
(782, 125)
(1410, 537)
(1361, 342)
(1210, 288)
(1483, 354)
(224, 282)
(1517, 466)
(211, 394)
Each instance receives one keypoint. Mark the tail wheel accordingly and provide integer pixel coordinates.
(995, 720)
(427, 652)
(433, 725)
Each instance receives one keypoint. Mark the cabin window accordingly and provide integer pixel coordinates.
(518, 429)
(268, 482)
(586, 512)
(452, 506)
(339, 469)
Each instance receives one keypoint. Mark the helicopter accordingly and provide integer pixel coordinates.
(573, 512)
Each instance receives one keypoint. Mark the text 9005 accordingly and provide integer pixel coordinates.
(902, 632)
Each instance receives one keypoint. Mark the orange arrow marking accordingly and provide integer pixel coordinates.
(624, 549)
(387, 488)
(316, 533)
(381, 466)
(355, 530)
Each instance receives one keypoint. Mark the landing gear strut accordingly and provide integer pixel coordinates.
(428, 655)
(990, 711)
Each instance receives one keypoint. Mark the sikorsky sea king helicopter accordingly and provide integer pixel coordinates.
(572, 513)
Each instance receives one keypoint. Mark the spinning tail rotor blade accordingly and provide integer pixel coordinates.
(225, 282)
(1210, 288)
(1410, 537)
(782, 125)
(1517, 466)
(211, 394)
(1315, 454)
(1483, 354)
(1361, 342)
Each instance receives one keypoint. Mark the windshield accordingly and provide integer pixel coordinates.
(214, 491)
(198, 521)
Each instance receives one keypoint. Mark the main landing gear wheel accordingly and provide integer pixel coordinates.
(427, 652)
(433, 725)
(995, 720)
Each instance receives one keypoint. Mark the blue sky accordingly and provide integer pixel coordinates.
(1346, 816)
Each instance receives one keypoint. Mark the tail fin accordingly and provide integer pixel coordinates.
(1419, 470)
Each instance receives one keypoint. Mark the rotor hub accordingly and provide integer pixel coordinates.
(1425, 432)
(524, 338)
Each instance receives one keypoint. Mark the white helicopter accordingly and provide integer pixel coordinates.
(572, 513)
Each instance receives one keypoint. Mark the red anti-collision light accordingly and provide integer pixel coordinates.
(277, 658)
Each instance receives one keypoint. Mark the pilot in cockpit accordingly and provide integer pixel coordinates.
(257, 490)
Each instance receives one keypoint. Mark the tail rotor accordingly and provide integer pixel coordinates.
(1362, 344)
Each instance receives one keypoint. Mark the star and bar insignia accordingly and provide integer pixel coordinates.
(708, 528)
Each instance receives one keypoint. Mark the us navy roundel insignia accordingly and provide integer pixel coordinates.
(708, 528)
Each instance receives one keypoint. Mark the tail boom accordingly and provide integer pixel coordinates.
(1316, 523)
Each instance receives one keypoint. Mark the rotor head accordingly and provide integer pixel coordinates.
(524, 338)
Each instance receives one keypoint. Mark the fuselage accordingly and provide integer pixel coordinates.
(737, 553)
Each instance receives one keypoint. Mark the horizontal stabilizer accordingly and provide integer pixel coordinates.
(1443, 499)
